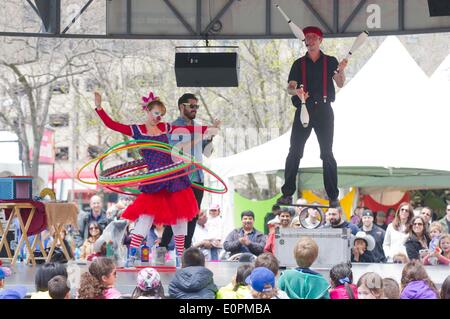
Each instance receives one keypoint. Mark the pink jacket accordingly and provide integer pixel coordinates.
(441, 260)
(270, 244)
(341, 293)
(111, 293)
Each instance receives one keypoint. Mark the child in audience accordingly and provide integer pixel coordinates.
(149, 285)
(193, 280)
(302, 282)
(43, 275)
(2, 278)
(4, 272)
(341, 277)
(238, 288)
(99, 281)
(13, 293)
(400, 259)
(445, 289)
(415, 282)
(262, 284)
(441, 254)
(269, 261)
(363, 245)
(370, 286)
(58, 288)
(435, 234)
(391, 289)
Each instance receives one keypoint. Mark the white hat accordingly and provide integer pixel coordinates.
(273, 221)
(366, 237)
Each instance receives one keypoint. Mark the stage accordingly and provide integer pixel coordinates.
(223, 272)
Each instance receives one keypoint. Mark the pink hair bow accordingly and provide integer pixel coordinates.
(150, 98)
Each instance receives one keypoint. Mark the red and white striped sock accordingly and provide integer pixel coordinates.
(136, 240)
(179, 244)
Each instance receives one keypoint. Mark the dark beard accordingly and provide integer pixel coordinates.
(337, 222)
(189, 115)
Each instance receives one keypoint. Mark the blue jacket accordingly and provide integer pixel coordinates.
(194, 282)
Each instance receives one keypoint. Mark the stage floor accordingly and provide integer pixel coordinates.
(223, 272)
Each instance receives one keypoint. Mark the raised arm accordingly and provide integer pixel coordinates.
(110, 123)
(339, 77)
(190, 128)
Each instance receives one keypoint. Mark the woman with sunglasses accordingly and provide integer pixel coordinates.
(418, 239)
(94, 231)
(397, 232)
(171, 202)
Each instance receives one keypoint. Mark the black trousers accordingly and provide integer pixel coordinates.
(168, 233)
(322, 120)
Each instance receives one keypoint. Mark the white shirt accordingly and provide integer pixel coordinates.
(394, 242)
(200, 234)
(215, 227)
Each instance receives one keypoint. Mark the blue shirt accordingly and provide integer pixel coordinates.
(196, 149)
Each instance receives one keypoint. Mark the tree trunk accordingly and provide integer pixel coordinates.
(272, 182)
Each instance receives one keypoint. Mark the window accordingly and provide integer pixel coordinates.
(91, 85)
(95, 151)
(59, 120)
(62, 153)
(61, 87)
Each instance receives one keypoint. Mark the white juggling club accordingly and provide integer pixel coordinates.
(294, 28)
(359, 41)
(304, 115)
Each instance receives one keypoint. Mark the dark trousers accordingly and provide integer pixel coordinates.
(322, 120)
(168, 233)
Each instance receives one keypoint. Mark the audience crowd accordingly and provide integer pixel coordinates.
(414, 237)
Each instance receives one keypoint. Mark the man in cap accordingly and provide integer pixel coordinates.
(376, 232)
(312, 76)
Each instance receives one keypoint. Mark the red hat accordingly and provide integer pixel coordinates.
(314, 30)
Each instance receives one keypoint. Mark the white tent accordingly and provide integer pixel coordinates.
(387, 116)
(389, 123)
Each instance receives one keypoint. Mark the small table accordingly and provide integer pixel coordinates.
(16, 211)
(59, 215)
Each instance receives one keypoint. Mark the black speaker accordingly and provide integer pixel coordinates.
(439, 8)
(202, 69)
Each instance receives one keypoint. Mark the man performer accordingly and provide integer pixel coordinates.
(188, 106)
(311, 77)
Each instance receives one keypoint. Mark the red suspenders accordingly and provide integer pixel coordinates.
(303, 66)
(324, 76)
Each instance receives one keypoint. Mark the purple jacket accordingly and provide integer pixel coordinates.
(418, 290)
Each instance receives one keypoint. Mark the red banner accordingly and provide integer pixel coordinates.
(374, 206)
(47, 152)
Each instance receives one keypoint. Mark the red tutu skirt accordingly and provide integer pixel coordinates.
(166, 207)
